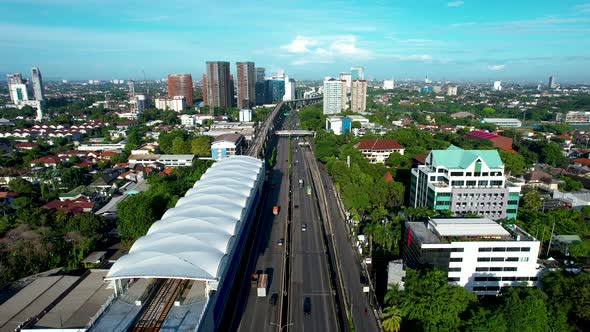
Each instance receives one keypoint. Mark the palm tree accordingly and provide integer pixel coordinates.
(392, 319)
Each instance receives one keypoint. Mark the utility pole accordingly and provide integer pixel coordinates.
(550, 239)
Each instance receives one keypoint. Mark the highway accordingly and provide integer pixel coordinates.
(351, 270)
(259, 314)
(310, 276)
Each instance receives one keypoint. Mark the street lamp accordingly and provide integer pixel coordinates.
(282, 327)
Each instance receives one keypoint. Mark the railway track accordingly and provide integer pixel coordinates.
(152, 318)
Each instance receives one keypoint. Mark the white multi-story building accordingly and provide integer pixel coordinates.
(176, 103)
(452, 91)
(358, 97)
(388, 85)
(245, 115)
(289, 89)
(503, 122)
(18, 93)
(348, 78)
(497, 86)
(378, 150)
(464, 181)
(176, 160)
(334, 96)
(477, 253)
(227, 145)
(577, 117)
(338, 124)
(187, 120)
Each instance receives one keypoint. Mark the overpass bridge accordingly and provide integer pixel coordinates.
(294, 133)
(258, 145)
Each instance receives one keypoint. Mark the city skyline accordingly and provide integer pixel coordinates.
(456, 40)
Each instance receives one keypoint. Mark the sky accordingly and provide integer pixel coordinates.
(515, 40)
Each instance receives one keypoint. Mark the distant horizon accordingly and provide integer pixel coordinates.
(520, 41)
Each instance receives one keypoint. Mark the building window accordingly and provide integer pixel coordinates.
(456, 173)
(454, 269)
(499, 249)
(471, 183)
(456, 259)
(483, 259)
(485, 249)
(482, 269)
(509, 269)
(453, 279)
(497, 259)
(457, 250)
(512, 259)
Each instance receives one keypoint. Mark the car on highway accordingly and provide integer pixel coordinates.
(280, 241)
(304, 227)
(307, 306)
(273, 299)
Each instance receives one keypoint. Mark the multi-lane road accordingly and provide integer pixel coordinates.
(310, 277)
(314, 267)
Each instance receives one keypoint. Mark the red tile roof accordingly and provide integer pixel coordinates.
(481, 134)
(379, 144)
(388, 177)
(582, 161)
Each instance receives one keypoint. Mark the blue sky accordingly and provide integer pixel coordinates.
(518, 40)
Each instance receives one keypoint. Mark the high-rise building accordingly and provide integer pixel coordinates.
(204, 89)
(497, 86)
(246, 84)
(357, 73)
(181, 85)
(232, 91)
(358, 96)
(348, 78)
(334, 97)
(274, 89)
(388, 85)
(452, 91)
(16, 88)
(551, 84)
(218, 89)
(37, 83)
(260, 74)
(289, 89)
(15, 78)
(464, 181)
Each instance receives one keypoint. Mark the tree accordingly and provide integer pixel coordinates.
(552, 154)
(484, 320)
(532, 201)
(569, 184)
(525, 310)
(514, 163)
(21, 186)
(397, 160)
(201, 146)
(392, 319)
(355, 124)
(429, 303)
(73, 177)
(137, 213)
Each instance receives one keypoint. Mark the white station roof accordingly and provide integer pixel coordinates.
(192, 240)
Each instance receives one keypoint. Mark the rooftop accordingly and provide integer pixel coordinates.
(455, 157)
(379, 144)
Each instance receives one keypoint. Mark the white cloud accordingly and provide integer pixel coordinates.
(299, 45)
(325, 49)
(496, 67)
(455, 3)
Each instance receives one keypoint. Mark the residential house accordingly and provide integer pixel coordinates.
(378, 150)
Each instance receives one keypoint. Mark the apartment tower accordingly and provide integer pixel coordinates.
(217, 85)
(181, 85)
(246, 84)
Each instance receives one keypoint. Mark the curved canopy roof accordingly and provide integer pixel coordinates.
(192, 240)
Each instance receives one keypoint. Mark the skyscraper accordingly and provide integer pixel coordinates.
(333, 95)
(218, 85)
(357, 73)
(346, 77)
(358, 98)
(289, 89)
(37, 83)
(181, 85)
(246, 84)
(260, 73)
(552, 84)
(497, 86)
(16, 88)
